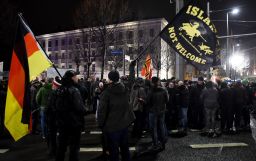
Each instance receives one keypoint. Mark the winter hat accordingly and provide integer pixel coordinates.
(155, 80)
(113, 76)
(56, 82)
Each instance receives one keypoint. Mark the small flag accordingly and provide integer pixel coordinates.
(147, 70)
(193, 35)
(28, 61)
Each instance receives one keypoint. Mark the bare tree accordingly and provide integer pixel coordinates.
(168, 60)
(98, 14)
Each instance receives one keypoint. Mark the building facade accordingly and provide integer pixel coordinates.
(82, 49)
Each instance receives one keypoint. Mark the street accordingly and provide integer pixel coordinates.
(33, 148)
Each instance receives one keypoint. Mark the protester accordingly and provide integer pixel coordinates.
(51, 118)
(70, 112)
(41, 100)
(210, 98)
(196, 110)
(114, 117)
(158, 99)
(182, 102)
(137, 102)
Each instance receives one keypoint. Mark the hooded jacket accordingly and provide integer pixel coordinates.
(114, 112)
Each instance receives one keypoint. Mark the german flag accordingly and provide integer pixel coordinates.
(28, 61)
(146, 70)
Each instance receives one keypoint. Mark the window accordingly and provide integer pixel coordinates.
(63, 66)
(63, 42)
(140, 48)
(50, 56)
(130, 50)
(70, 41)
(93, 38)
(49, 45)
(56, 56)
(120, 36)
(70, 56)
(70, 66)
(56, 43)
(77, 40)
(152, 32)
(93, 67)
(140, 34)
(63, 56)
(93, 53)
(129, 35)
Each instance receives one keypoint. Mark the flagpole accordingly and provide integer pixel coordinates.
(20, 15)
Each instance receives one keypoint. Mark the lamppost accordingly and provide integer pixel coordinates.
(232, 11)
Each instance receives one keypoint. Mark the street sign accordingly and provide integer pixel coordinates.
(117, 52)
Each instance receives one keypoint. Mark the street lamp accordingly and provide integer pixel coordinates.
(234, 11)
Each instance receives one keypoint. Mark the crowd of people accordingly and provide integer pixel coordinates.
(147, 106)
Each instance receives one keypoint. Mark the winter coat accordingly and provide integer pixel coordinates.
(240, 96)
(42, 95)
(70, 109)
(194, 96)
(136, 93)
(158, 99)
(182, 96)
(210, 98)
(171, 102)
(226, 98)
(114, 112)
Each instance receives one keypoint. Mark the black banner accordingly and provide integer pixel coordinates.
(192, 34)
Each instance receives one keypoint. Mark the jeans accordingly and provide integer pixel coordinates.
(118, 139)
(183, 117)
(210, 114)
(158, 128)
(43, 123)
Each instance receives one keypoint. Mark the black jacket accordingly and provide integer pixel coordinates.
(114, 112)
(182, 96)
(70, 109)
(226, 98)
(158, 99)
(194, 97)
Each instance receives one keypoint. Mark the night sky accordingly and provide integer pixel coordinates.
(48, 16)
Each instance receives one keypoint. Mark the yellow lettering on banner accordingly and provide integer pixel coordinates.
(172, 34)
(171, 29)
(200, 16)
(207, 21)
(189, 9)
(198, 60)
(188, 55)
(194, 11)
(203, 62)
(179, 46)
(183, 51)
(192, 57)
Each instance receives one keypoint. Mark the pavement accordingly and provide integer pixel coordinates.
(34, 148)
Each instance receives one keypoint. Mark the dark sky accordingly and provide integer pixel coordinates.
(47, 16)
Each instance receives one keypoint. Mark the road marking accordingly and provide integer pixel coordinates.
(3, 151)
(98, 149)
(217, 145)
(96, 132)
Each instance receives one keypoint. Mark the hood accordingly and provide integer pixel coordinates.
(116, 88)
